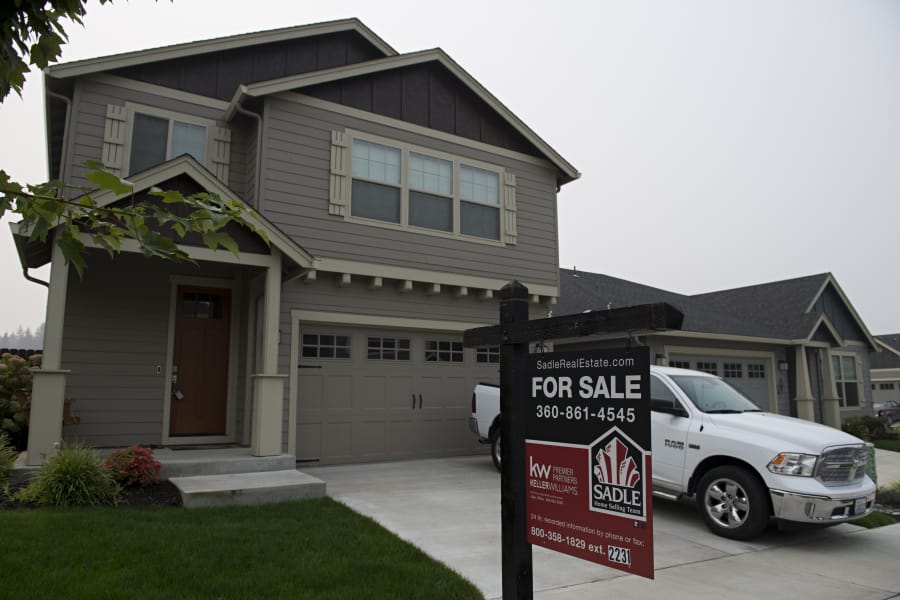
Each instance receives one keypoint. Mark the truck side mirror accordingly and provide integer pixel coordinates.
(668, 407)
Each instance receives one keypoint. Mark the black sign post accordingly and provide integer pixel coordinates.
(513, 334)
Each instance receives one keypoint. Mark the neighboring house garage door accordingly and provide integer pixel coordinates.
(750, 375)
(372, 394)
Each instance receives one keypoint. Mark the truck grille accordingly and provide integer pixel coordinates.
(843, 465)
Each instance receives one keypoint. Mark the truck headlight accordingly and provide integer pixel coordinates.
(793, 463)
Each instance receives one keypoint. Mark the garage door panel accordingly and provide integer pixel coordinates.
(338, 392)
(399, 392)
(369, 439)
(309, 441)
(370, 394)
(337, 443)
(312, 390)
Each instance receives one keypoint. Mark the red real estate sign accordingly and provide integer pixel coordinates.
(587, 456)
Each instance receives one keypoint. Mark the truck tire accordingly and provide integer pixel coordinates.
(733, 502)
(495, 447)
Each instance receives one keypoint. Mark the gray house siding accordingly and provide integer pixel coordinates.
(296, 195)
(831, 304)
(115, 335)
(89, 116)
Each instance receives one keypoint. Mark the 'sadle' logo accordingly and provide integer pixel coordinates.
(617, 467)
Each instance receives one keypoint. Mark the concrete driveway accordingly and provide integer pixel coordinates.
(450, 508)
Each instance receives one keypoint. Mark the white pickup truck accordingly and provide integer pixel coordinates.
(742, 465)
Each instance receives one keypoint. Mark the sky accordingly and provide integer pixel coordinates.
(722, 143)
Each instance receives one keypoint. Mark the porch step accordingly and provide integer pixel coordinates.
(245, 489)
(190, 463)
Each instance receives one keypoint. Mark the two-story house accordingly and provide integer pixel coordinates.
(398, 195)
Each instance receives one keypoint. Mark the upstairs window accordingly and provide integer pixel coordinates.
(154, 140)
(376, 182)
(395, 184)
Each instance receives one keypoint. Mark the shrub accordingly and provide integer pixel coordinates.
(74, 476)
(8, 456)
(15, 396)
(133, 466)
(866, 428)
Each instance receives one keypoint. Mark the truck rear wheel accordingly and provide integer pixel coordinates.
(495, 448)
(733, 502)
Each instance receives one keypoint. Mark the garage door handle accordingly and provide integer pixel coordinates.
(420, 401)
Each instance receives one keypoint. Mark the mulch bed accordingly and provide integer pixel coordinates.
(160, 495)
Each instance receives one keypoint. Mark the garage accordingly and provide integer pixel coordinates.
(386, 394)
(751, 375)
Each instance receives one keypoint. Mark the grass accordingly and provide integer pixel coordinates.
(311, 549)
(875, 519)
(893, 445)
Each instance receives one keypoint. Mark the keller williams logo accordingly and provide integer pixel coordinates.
(617, 466)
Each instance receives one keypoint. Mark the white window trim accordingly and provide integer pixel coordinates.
(861, 400)
(131, 108)
(456, 161)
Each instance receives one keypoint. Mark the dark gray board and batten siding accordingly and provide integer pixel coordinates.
(295, 189)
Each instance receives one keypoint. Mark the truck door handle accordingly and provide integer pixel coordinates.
(420, 401)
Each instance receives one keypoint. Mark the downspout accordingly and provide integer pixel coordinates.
(62, 167)
(240, 109)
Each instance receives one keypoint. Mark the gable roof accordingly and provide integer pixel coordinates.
(127, 59)
(436, 55)
(35, 253)
(778, 310)
(890, 342)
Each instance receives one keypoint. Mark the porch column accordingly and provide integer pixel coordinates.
(831, 402)
(268, 386)
(49, 385)
(805, 403)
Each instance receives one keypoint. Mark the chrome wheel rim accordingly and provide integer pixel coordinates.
(497, 453)
(727, 503)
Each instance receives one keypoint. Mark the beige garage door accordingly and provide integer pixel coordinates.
(750, 375)
(372, 394)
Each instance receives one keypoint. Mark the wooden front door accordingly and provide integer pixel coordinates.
(199, 400)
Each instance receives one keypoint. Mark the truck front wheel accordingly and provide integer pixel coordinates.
(733, 502)
(495, 447)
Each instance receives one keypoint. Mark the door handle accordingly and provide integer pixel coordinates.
(414, 402)
(420, 401)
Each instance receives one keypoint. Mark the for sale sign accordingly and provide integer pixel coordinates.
(587, 455)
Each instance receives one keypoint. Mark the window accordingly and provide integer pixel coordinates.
(383, 348)
(885, 386)
(679, 364)
(708, 367)
(756, 371)
(196, 305)
(154, 140)
(325, 346)
(430, 192)
(488, 354)
(376, 181)
(411, 187)
(443, 351)
(480, 209)
(845, 378)
(733, 370)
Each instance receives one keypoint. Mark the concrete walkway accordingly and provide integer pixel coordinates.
(450, 508)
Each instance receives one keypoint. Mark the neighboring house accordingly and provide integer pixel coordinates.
(796, 347)
(885, 369)
(398, 195)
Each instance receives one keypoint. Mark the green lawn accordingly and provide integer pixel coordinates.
(312, 549)
(888, 445)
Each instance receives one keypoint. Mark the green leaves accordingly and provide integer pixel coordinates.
(164, 224)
